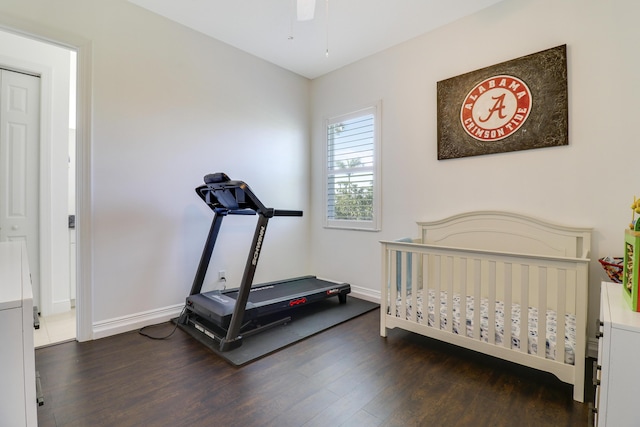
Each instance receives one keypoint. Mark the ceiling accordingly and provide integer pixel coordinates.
(354, 29)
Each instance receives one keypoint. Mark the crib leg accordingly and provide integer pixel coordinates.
(383, 331)
(578, 386)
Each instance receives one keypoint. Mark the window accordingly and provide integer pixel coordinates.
(353, 169)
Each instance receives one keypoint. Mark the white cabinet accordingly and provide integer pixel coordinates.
(18, 406)
(618, 387)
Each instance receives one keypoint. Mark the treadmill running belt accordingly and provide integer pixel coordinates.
(285, 289)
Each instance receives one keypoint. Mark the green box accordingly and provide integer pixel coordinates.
(630, 277)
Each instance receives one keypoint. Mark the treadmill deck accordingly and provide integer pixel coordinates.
(217, 306)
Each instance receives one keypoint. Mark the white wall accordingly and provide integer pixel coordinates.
(170, 105)
(52, 63)
(591, 182)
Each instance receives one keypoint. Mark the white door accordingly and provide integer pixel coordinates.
(20, 165)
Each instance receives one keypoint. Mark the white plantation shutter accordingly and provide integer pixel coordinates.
(352, 170)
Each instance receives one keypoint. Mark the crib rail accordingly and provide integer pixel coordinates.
(540, 281)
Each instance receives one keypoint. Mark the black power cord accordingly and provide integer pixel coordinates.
(140, 331)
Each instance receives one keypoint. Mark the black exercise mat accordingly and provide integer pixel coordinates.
(305, 322)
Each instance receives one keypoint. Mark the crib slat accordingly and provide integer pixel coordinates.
(508, 311)
(403, 284)
(449, 306)
(439, 287)
(477, 286)
(542, 311)
(462, 327)
(491, 303)
(412, 273)
(561, 315)
(455, 286)
(434, 286)
(524, 308)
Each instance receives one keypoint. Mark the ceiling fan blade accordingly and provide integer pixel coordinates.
(306, 9)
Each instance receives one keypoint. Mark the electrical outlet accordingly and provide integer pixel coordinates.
(222, 276)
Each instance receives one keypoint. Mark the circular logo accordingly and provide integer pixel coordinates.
(496, 108)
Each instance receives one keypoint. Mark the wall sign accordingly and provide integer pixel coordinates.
(516, 105)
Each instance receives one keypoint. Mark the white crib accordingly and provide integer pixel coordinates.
(498, 283)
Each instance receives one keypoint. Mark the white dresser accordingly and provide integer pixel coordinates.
(18, 406)
(617, 397)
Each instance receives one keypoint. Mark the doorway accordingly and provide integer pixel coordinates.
(55, 256)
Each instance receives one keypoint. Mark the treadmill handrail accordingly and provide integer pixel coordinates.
(281, 212)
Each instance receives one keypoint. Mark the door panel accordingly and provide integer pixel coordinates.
(19, 165)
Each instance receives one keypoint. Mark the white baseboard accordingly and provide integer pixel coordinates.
(118, 325)
(360, 292)
(365, 294)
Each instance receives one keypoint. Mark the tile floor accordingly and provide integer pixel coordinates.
(55, 329)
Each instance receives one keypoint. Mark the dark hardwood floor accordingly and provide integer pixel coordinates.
(347, 375)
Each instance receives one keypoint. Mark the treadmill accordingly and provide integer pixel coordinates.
(221, 318)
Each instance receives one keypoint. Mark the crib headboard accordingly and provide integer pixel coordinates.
(507, 232)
